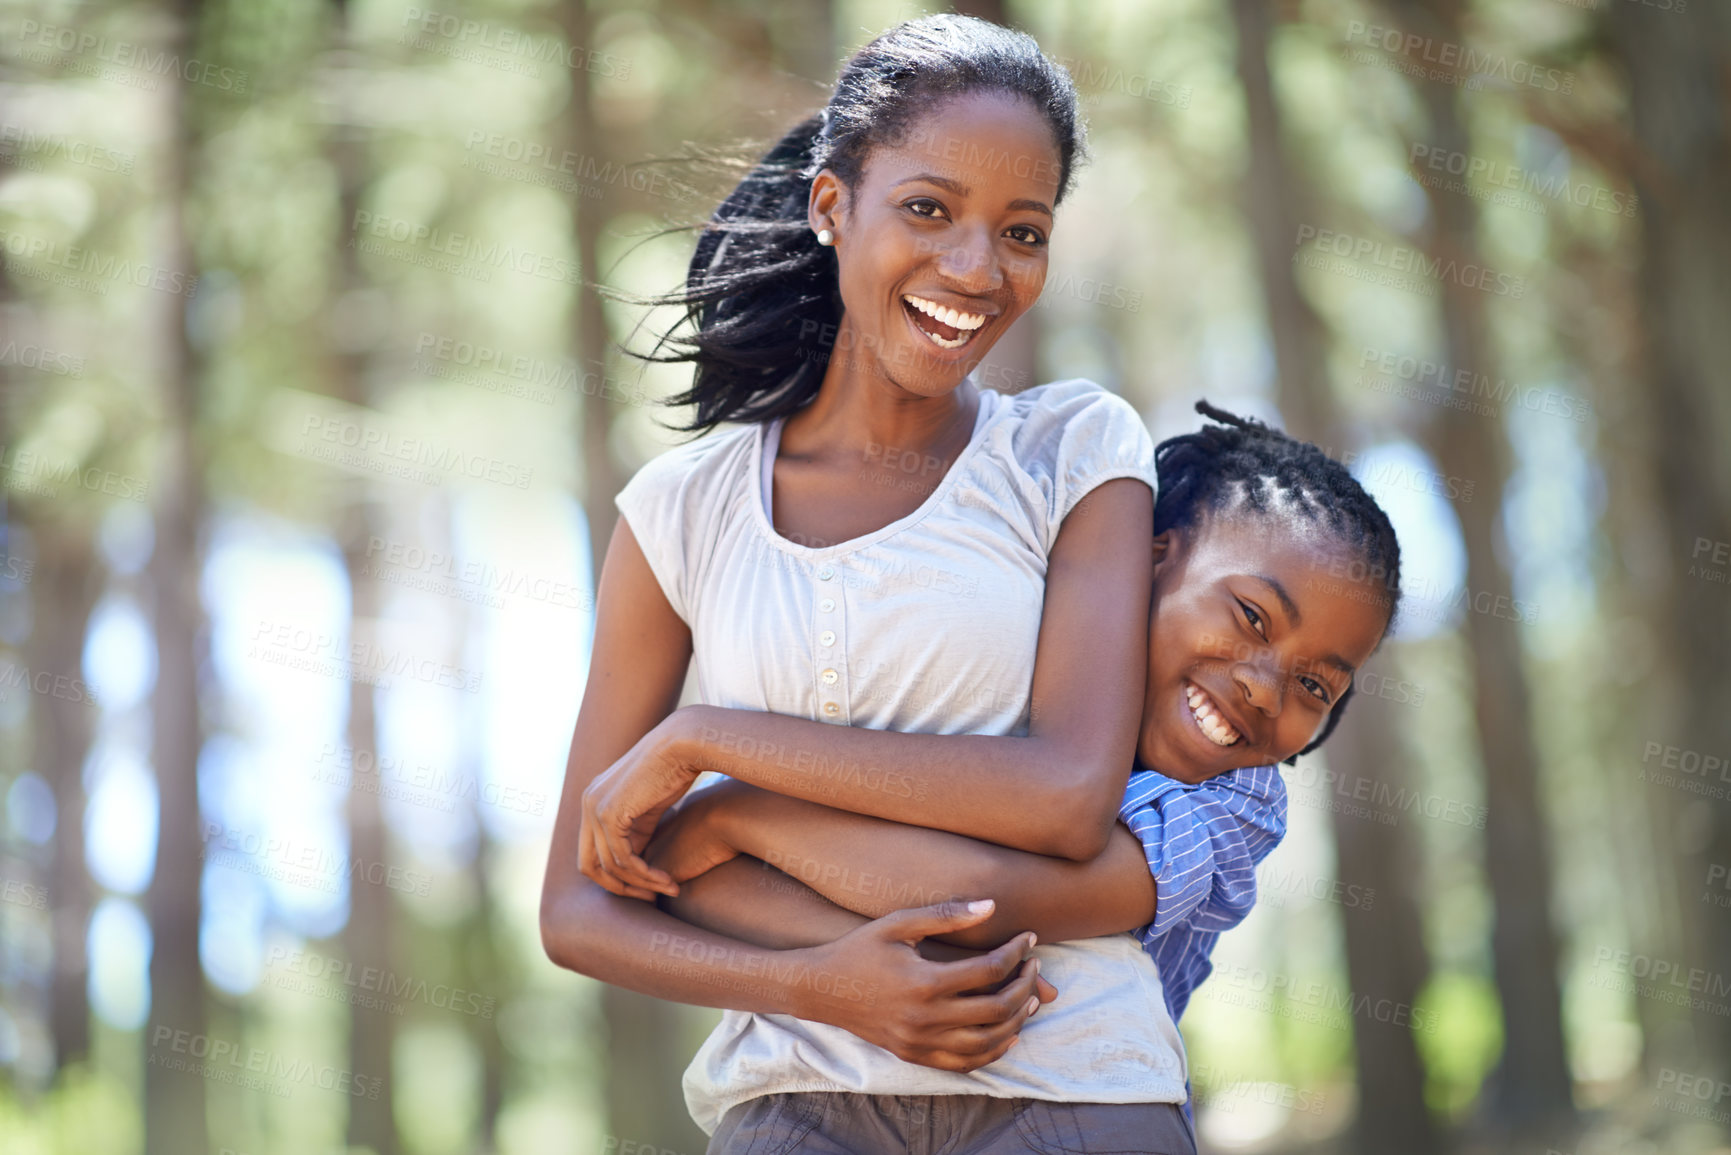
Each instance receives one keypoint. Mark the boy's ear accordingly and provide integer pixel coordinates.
(1164, 542)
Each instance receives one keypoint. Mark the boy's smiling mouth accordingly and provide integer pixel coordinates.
(947, 328)
(1208, 717)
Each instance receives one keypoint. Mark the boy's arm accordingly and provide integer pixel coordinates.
(1202, 843)
(1052, 792)
(872, 866)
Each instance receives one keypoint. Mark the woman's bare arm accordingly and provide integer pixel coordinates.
(916, 1009)
(1053, 792)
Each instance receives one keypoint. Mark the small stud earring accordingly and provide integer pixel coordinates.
(825, 237)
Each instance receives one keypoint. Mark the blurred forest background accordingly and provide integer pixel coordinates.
(310, 424)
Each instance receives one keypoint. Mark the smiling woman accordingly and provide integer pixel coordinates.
(835, 307)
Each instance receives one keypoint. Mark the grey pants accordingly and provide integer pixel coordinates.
(833, 1123)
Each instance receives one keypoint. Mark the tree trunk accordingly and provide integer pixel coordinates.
(1385, 951)
(367, 938)
(64, 589)
(646, 1044)
(1678, 74)
(174, 1101)
(1530, 1090)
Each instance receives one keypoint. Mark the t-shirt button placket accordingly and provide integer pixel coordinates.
(830, 652)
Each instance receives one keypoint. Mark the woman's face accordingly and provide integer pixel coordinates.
(1254, 638)
(954, 221)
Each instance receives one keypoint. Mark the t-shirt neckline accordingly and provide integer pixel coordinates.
(768, 441)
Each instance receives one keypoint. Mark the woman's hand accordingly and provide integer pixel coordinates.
(874, 984)
(621, 807)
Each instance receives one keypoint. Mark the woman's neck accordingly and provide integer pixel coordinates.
(858, 413)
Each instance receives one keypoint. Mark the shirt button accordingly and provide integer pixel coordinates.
(825, 574)
(826, 605)
(827, 637)
(831, 708)
(829, 677)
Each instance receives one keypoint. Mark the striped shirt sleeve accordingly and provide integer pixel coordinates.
(1203, 843)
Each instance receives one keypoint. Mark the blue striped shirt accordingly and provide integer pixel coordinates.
(1203, 844)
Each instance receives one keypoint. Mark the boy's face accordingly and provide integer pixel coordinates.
(1255, 635)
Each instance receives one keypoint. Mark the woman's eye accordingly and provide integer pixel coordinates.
(1254, 618)
(1027, 235)
(925, 208)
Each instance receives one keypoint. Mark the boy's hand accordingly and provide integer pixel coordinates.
(690, 841)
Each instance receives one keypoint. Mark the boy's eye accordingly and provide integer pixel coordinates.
(1026, 234)
(1317, 688)
(1254, 618)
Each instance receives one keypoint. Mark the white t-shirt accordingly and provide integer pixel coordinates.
(928, 625)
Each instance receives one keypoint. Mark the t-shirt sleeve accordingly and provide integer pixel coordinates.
(1077, 437)
(655, 503)
(1203, 843)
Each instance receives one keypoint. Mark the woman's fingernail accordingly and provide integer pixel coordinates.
(980, 907)
(1036, 964)
(1033, 1003)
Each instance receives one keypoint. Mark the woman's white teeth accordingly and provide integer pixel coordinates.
(1217, 729)
(954, 318)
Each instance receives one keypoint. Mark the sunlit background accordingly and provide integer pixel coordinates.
(309, 428)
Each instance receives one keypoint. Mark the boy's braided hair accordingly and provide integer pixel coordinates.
(1242, 464)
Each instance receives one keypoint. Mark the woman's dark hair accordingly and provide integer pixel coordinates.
(761, 298)
(1242, 464)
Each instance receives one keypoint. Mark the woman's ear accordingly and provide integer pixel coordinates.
(824, 207)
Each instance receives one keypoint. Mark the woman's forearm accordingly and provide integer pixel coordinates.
(1045, 795)
(872, 866)
(632, 944)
